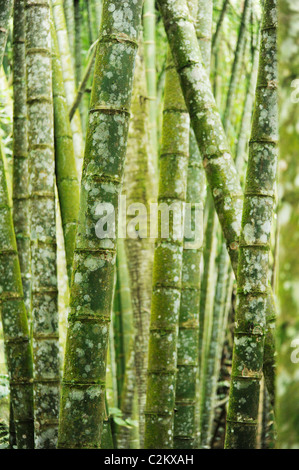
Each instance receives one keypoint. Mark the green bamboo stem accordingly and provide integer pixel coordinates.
(138, 188)
(125, 299)
(78, 42)
(235, 73)
(118, 341)
(82, 402)
(90, 21)
(149, 41)
(68, 6)
(208, 322)
(65, 163)
(248, 354)
(203, 27)
(187, 351)
(207, 126)
(213, 354)
(98, 12)
(5, 14)
(15, 325)
(21, 214)
(216, 36)
(83, 85)
(208, 129)
(244, 133)
(69, 79)
(42, 222)
(167, 269)
(288, 325)
(126, 437)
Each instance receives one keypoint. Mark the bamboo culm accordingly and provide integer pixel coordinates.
(65, 162)
(138, 188)
(15, 325)
(21, 214)
(42, 222)
(248, 353)
(5, 15)
(83, 387)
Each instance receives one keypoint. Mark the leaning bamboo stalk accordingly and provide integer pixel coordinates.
(167, 269)
(211, 139)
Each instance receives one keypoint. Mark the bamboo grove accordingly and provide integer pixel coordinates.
(149, 224)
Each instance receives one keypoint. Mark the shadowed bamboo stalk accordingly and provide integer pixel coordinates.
(42, 221)
(138, 188)
(5, 14)
(21, 214)
(83, 389)
(235, 73)
(248, 354)
(69, 79)
(212, 362)
(149, 41)
(65, 163)
(15, 325)
(216, 37)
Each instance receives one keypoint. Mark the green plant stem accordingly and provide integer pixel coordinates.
(83, 388)
(42, 223)
(248, 354)
(15, 325)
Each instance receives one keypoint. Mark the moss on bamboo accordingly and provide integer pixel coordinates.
(5, 14)
(15, 325)
(21, 214)
(167, 270)
(149, 41)
(82, 402)
(248, 355)
(42, 221)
